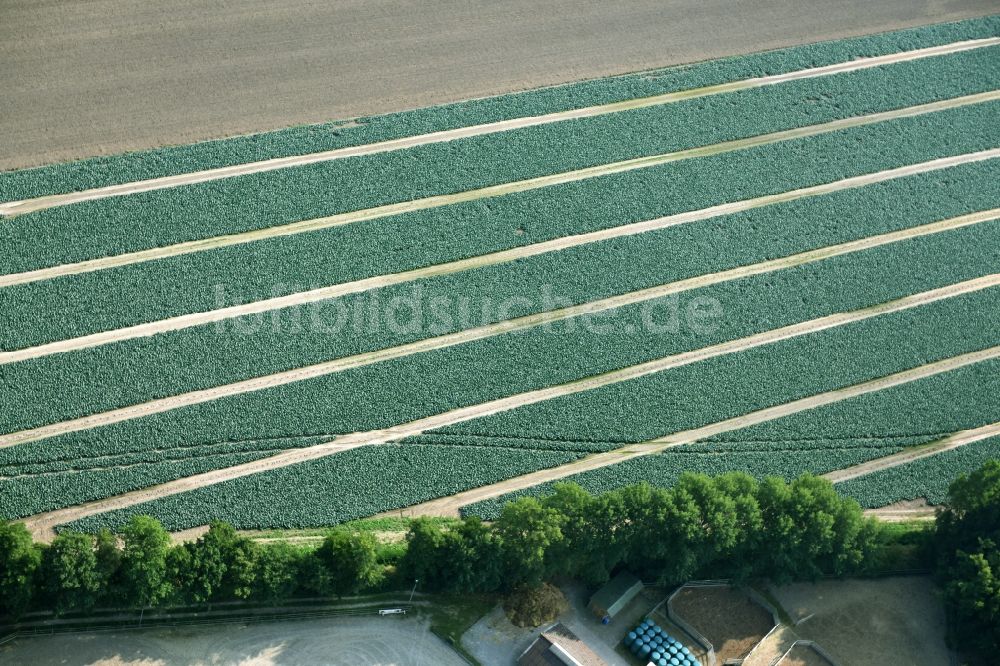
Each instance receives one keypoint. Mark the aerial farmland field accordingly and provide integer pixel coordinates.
(777, 263)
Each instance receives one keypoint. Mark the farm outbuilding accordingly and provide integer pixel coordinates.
(558, 646)
(615, 595)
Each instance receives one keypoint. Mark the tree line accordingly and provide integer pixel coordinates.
(730, 526)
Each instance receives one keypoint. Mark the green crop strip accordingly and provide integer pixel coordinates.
(909, 415)
(344, 487)
(117, 169)
(27, 496)
(689, 397)
(819, 440)
(65, 386)
(106, 227)
(79, 463)
(92, 302)
(928, 477)
(640, 409)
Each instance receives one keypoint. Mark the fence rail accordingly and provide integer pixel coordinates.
(168, 622)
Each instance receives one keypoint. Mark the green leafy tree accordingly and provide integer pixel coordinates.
(469, 558)
(20, 559)
(109, 562)
(351, 560)
(71, 574)
(219, 565)
(527, 530)
(279, 566)
(314, 576)
(581, 550)
(968, 560)
(738, 556)
(423, 558)
(144, 562)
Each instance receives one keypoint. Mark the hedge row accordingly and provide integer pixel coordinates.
(819, 440)
(107, 300)
(346, 486)
(64, 386)
(117, 169)
(640, 409)
(104, 227)
(927, 478)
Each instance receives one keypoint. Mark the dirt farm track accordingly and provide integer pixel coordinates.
(105, 76)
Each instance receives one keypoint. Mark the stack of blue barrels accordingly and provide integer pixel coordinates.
(654, 646)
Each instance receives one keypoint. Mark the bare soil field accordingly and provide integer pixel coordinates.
(870, 622)
(335, 641)
(727, 617)
(102, 77)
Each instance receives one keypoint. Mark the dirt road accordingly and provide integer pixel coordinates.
(102, 77)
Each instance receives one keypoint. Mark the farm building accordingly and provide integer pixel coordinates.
(558, 646)
(615, 595)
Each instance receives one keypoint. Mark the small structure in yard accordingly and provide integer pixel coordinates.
(558, 646)
(615, 595)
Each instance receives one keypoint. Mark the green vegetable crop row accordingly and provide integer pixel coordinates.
(819, 440)
(928, 477)
(79, 463)
(727, 386)
(104, 227)
(640, 409)
(339, 488)
(117, 169)
(107, 300)
(64, 386)
(30, 495)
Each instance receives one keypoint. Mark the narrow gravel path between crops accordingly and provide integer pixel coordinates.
(904, 511)
(491, 259)
(449, 506)
(948, 443)
(42, 525)
(437, 201)
(325, 368)
(52, 201)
